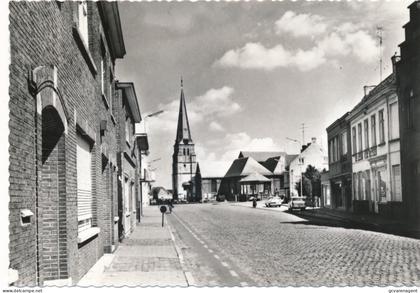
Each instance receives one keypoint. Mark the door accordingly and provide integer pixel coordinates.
(380, 185)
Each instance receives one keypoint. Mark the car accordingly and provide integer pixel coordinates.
(274, 201)
(297, 202)
(220, 197)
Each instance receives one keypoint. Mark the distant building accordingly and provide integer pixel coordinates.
(375, 147)
(311, 154)
(211, 178)
(241, 168)
(408, 77)
(340, 164)
(184, 162)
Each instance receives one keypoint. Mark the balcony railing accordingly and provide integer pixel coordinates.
(372, 151)
(359, 156)
(366, 153)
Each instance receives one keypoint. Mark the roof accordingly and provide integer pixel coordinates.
(183, 132)
(388, 85)
(112, 27)
(255, 177)
(245, 166)
(130, 94)
(290, 158)
(260, 156)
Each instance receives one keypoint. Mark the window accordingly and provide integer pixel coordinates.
(126, 196)
(393, 119)
(366, 129)
(410, 110)
(359, 137)
(183, 151)
(127, 130)
(396, 183)
(102, 69)
(110, 97)
(330, 151)
(84, 184)
(353, 134)
(381, 127)
(344, 143)
(83, 22)
(373, 127)
(188, 152)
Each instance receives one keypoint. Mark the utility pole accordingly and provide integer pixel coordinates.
(379, 33)
(303, 127)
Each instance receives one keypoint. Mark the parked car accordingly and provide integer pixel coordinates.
(220, 197)
(274, 201)
(297, 202)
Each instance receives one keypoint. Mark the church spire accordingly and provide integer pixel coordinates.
(183, 133)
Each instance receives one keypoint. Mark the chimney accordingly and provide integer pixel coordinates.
(368, 88)
(395, 59)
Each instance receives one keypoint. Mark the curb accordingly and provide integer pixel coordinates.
(189, 279)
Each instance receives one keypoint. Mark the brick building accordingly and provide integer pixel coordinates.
(408, 77)
(128, 156)
(339, 158)
(63, 138)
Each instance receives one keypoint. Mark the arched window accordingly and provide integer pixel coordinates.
(183, 151)
(188, 152)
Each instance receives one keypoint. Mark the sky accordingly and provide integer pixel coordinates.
(253, 71)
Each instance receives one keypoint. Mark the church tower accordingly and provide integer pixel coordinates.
(183, 160)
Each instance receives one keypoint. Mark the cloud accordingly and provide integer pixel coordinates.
(215, 126)
(256, 56)
(299, 25)
(214, 103)
(241, 141)
(346, 39)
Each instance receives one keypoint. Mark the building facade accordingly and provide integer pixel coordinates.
(127, 115)
(408, 77)
(184, 163)
(311, 154)
(62, 138)
(375, 144)
(340, 164)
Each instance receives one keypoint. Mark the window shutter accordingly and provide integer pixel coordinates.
(84, 184)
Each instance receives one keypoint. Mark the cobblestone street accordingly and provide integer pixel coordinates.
(265, 248)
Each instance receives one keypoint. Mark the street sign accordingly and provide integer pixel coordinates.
(163, 211)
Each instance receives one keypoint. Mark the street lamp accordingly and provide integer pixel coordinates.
(300, 164)
(154, 114)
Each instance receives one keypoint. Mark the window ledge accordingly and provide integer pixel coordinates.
(105, 101)
(87, 234)
(84, 49)
(381, 144)
(113, 119)
(394, 140)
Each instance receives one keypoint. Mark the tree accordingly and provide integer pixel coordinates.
(311, 182)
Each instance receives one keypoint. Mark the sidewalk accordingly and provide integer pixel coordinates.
(146, 258)
(344, 218)
(365, 221)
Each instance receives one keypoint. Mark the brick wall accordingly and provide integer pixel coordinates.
(42, 34)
